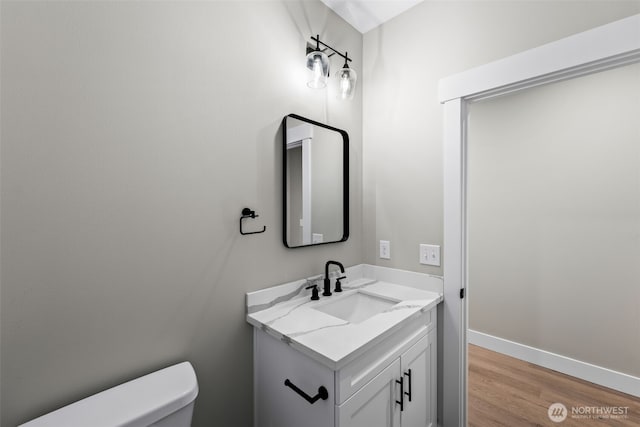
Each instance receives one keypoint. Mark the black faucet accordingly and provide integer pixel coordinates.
(327, 281)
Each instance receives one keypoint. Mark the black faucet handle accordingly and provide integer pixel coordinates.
(338, 284)
(314, 292)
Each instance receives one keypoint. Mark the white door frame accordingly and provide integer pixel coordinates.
(601, 48)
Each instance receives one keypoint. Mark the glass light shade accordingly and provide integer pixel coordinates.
(346, 83)
(318, 65)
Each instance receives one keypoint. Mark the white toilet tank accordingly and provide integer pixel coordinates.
(163, 398)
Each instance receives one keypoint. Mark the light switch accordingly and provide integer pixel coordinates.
(430, 254)
(385, 249)
(317, 238)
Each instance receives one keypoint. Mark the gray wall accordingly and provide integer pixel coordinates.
(404, 59)
(554, 218)
(132, 136)
(326, 188)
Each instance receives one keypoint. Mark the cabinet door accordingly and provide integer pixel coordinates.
(418, 365)
(276, 405)
(374, 405)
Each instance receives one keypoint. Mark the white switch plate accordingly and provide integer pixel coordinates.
(430, 254)
(317, 238)
(385, 249)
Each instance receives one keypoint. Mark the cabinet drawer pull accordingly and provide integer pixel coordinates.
(401, 402)
(408, 374)
(322, 392)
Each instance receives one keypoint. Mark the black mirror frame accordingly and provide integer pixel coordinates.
(345, 180)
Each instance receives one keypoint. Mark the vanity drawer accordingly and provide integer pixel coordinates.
(362, 370)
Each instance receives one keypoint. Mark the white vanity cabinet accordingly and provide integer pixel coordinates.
(393, 383)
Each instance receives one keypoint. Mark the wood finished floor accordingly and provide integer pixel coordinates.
(504, 391)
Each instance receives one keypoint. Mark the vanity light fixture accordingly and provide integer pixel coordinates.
(347, 79)
(318, 65)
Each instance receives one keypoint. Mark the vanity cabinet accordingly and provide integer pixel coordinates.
(392, 384)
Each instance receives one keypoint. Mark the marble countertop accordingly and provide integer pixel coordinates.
(287, 313)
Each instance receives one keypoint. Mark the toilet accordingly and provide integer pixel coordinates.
(164, 398)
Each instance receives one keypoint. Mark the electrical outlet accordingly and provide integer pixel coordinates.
(385, 249)
(430, 254)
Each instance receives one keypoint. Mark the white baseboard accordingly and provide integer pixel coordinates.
(585, 371)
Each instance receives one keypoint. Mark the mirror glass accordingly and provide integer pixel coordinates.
(316, 173)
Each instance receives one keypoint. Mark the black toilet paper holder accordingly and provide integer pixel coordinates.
(248, 213)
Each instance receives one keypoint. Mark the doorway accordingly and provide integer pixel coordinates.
(554, 242)
(610, 46)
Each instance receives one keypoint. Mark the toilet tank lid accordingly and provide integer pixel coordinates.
(139, 402)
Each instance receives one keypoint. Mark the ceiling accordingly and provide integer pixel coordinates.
(365, 15)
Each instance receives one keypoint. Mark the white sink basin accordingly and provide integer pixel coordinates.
(356, 307)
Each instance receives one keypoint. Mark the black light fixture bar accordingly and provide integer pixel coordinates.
(317, 40)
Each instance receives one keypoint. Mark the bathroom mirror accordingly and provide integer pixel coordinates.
(316, 183)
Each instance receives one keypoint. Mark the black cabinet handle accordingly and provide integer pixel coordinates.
(322, 392)
(401, 402)
(408, 374)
